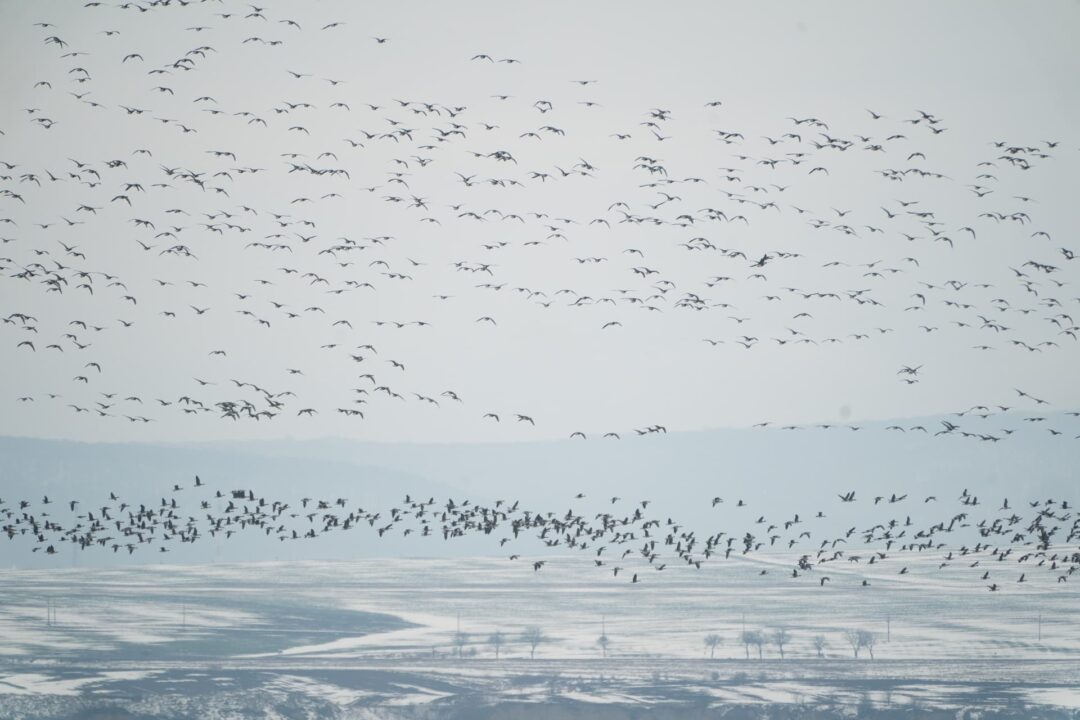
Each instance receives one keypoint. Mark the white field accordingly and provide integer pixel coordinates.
(940, 634)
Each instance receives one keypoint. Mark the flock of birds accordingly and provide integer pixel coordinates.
(997, 545)
(103, 253)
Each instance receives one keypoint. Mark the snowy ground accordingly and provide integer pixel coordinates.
(344, 639)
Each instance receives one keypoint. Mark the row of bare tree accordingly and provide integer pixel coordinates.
(857, 638)
(532, 636)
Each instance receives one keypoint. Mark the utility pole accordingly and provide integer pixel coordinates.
(888, 627)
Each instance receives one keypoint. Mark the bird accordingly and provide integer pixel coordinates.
(469, 207)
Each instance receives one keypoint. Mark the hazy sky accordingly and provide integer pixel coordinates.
(984, 72)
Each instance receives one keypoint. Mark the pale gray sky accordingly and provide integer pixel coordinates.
(984, 71)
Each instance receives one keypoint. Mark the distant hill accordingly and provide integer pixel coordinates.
(783, 468)
(145, 473)
(777, 473)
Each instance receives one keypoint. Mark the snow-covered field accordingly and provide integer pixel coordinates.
(338, 639)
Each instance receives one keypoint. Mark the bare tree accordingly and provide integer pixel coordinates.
(496, 640)
(461, 639)
(819, 645)
(852, 637)
(532, 637)
(748, 638)
(781, 637)
(603, 641)
(711, 641)
(753, 637)
(867, 640)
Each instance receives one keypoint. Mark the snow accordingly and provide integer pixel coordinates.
(942, 640)
(415, 695)
(326, 691)
(1060, 697)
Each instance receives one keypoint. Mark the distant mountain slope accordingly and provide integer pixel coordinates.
(784, 468)
(777, 473)
(146, 473)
